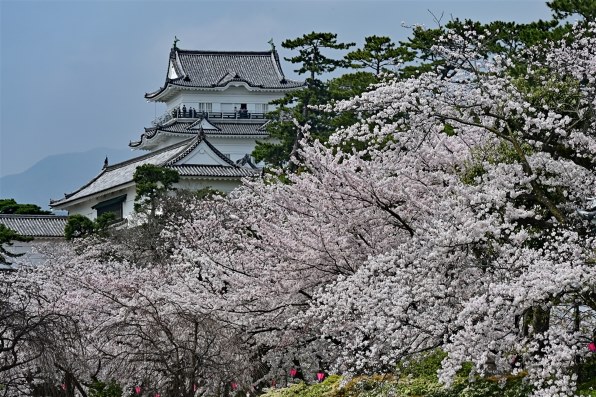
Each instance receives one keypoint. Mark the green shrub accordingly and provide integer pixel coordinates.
(105, 389)
(370, 386)
(78, 226)
(587, 376)
(423, 365)
(409, 385)
(326, 388)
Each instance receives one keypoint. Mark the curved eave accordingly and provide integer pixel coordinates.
(243, 136)
(149, 143)
(65, 203)
(159, 95)
(151, 138)
(170, 89)
(221, 177)
(152, 141)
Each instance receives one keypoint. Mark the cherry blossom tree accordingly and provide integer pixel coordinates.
(138, 322)
(456, 227)
(452, 215)
(35, 341)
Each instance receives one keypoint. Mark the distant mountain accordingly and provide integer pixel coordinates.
(55, 175)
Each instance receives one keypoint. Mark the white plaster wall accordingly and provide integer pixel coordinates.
(170, 140)
(128, 206)
(86, 210)
(203, 155)
(230, 95)
(194, 184)
(33, 251)
(235, 147)
(81, 209)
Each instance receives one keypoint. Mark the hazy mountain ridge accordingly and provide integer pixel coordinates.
(55, 175)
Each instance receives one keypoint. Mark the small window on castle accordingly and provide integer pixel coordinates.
(113, 205)
(261, 107)
(205, 107)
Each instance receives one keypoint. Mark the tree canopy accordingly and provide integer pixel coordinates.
(7, 239)
(377, 53)
(10, 206)
(152, 182)
(299, 105)
(9, 236)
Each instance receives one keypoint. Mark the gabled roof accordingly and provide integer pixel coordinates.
(221, 128)
(35, 225)
(177, 156)
(213, 69)
(246, 161)
(203, 124)
(194, 146)
(121, 173)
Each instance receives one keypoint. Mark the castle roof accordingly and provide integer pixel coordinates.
(189, 128)
(194, 157)
(35, 225)
(217, 69)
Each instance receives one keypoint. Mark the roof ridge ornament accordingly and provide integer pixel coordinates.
(270, 42)
(175, 45)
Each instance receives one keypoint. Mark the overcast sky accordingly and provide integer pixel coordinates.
(73, 73)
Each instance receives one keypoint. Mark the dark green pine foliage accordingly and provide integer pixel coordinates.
(311, 58)
(297, 105)
(152, 183)
(378, 53)
(498, 37)
(350, 85)
(566, 8)
(78, 226)
(10, 206)
(7, 237)
(344, 87)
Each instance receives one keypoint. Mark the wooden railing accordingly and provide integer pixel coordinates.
(234, 115)
(193, 114)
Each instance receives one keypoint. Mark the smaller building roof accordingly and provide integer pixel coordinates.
(120, 174)
(217, 69)
(187, 157)
(35, 225)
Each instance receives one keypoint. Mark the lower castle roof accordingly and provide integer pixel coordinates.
(121, 174)
(35, 225)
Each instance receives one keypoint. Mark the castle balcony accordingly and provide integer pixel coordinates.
(195, 114)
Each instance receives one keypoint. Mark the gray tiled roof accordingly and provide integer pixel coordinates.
(35, 225)
(215, 171)
(246, 161)
(210, 69)
(189, 148)
(239, 128)
(224, 128)
(121, 174)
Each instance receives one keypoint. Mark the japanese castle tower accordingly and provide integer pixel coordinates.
(216, 103)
